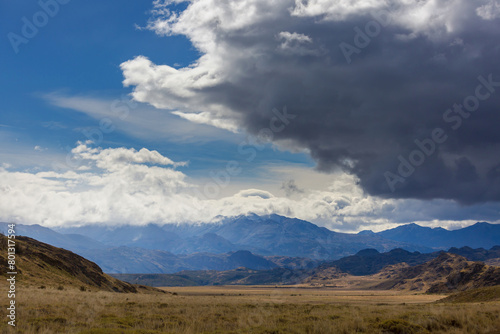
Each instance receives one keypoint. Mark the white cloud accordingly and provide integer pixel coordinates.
(335, 10)
(490, 11)
(39, 148)
(429, 17)
(126, 186)
(138, 120)
(296, 44)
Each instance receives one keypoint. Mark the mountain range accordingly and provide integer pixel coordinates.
(254, 242)
(438, 272)
(264, 235)
(479, 235)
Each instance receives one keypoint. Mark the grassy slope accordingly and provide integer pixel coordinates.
(40, 264)
(480, 295)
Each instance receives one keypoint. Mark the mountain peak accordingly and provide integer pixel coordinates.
(368, 252)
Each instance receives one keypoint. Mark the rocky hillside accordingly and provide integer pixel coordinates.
(370, 261)
(40, 264)
(446, 273)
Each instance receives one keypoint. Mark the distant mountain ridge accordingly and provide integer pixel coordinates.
(264, 235)
(370, 261)
(397, 269)
(479, 235)
(138, 260)
(126, 259)
(278, 241)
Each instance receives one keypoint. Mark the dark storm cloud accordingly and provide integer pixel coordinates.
(382, 92)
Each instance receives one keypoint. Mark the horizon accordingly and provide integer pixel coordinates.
(350, 116)
(221, 220)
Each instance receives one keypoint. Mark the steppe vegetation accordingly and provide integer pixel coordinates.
(246, 310)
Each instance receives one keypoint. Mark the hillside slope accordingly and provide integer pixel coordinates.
(446, 273)
(370, 261)
(479, 295)
(40, 264)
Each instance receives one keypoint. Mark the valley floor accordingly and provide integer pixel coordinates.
(249, 309)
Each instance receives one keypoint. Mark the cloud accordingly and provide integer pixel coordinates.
(119, 185)
(489, 11)
(138, 120)
(255, 193)
(291, 188)
(127, 186)
(39, 148)
(410, 62)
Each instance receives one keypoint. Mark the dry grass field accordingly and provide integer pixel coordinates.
(246, 310)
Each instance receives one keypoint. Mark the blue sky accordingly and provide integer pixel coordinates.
(157, 84)
(78, 53)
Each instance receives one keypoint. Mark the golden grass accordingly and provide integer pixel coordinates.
(246, 310)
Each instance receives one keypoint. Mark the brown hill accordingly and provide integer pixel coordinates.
(446, 273)
(493, 262)
(479, 295)
(40, 264)
(324, 276)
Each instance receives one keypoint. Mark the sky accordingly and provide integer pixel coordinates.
(353, 115)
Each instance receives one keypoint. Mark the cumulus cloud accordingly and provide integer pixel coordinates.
(489, 11)
(118, 185)
(127, 186)
(410, 62)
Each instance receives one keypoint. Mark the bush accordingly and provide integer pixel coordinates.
(398, 326)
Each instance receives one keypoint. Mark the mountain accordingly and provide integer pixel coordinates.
(478, 254)
(370, 261)
(51, 237)
(149, 236)
(239, 276)
(139, 260)
(264, 235)
(293, 262)
(130, 259)
(135, 260)
(476, 236)
(279, 241)
(385, 265)
(446, 273)
(38, 263)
